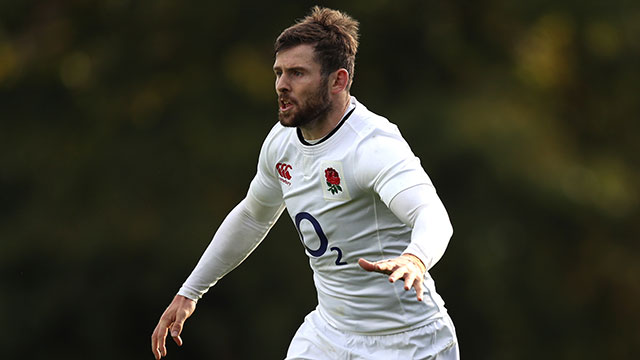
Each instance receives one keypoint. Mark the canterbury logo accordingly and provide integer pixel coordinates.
(283, 171)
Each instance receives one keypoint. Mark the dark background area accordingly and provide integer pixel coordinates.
(128, 130)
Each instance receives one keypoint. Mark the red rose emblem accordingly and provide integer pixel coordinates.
(332, 176)
(333, 180)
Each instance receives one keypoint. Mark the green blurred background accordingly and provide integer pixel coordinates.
(130, 128)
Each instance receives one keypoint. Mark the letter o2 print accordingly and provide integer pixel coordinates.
(324, 242)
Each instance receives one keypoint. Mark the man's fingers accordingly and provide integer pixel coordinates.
(418, 287)
(158, 341)
(163, 343)
(171, 320)
(386, 266)
(399, 273)
(181, 316)
(378, 266)
(367, 265)
(409, 280)
(399, 268)
(176, 330)
(154, 344)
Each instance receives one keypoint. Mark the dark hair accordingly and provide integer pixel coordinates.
(334, 35)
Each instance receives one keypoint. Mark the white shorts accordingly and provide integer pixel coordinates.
(317, 340)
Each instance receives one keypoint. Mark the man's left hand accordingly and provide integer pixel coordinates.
(406, 266)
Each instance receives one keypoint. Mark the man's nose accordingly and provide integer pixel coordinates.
(282, 84)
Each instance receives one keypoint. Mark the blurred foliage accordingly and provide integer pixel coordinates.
(130, 128)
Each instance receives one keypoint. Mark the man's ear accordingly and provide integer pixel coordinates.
(339, 81)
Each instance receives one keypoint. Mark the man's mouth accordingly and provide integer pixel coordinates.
(285, 105)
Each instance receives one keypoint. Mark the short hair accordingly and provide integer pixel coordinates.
(334, 35)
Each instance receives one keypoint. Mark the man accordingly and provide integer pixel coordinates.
(362, 205)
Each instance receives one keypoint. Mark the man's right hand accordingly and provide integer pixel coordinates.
(172, 319)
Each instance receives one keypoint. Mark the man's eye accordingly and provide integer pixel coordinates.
(298, 73)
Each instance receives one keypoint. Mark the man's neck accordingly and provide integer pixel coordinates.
(321, 127)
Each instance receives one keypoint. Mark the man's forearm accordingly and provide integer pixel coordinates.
(420, 208)
(238, 235)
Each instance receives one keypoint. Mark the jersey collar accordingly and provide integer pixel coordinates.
(352, 105)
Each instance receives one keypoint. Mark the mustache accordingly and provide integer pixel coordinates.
(282, 98)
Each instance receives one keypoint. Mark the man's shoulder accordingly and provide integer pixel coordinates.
(278, 130)
(367, 123)
(278, 134)
(278, 138)
(377, 135)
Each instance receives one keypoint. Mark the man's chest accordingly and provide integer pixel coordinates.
(325, 203)
(310, 181)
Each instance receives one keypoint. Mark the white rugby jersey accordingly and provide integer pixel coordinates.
(337, 193)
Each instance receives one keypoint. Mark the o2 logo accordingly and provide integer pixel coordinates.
(324, 242)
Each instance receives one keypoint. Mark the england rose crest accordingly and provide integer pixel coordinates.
(333, 180)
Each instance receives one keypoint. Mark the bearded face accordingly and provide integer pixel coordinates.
(304, 108)
(303, 91)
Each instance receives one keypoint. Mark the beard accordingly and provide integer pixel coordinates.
(315, 107)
